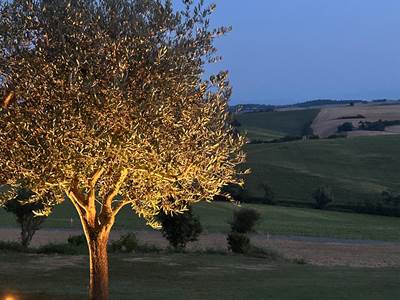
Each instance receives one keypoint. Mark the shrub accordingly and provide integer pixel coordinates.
(148, 248)
(12, 247)
(269, 195)
(238, 242)
(179, 229)
(244, 220)
(322, 197)
(126, 244)
(265, 253)
(77, 240)
(29, 222)
(66, 249)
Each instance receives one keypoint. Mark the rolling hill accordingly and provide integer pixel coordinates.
(270, 125)
(357, 169)
(330, 118)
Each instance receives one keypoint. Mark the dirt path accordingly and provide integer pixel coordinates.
(316, 251)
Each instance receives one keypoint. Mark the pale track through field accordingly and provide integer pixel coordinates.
(315, 251)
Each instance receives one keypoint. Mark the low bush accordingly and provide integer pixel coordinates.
(148, 248)
(179, 229)
(65, 249)
(12, 247)
(265, 253)
(238, 242)
(126, 244)
(77, 240)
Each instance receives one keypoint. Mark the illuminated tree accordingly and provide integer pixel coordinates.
(105, 105)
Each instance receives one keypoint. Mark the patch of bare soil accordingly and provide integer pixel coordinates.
(326, 252)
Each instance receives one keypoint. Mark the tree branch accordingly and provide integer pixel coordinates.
(7, 99)
(76, 202)
(120, 205)
(120, 182)
(92, 190)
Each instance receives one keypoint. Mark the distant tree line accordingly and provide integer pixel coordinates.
(379, 125)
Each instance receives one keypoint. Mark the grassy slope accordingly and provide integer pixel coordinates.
(269, 125)
(356, 169)
(191, 276)
(275, 220)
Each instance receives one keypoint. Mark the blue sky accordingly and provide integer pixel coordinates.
(285, 51)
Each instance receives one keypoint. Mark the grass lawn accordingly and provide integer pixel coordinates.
(190, 276)
(274, 220)
(356, 169)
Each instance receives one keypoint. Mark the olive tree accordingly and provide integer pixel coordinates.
(25, 214)
(105, 105)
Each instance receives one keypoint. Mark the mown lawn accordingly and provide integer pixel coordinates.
(191, 276)
(275, 220)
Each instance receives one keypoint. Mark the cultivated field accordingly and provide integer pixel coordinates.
(270, 125)
(329, 118)
(275, 220)
(357, 169)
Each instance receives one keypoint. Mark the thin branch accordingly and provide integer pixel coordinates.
(75, 201)
(7, 100)
(121, 205)
(166, 177)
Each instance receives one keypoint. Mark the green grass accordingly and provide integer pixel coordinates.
(275, 220)
(270, 125)
(190, 276)
(357, 169)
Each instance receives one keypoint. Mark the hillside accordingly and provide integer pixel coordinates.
(356, 169)
(329, 118)
(270, 125)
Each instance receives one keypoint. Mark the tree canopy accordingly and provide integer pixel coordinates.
(107, 97)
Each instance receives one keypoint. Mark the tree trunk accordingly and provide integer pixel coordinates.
(97, 242)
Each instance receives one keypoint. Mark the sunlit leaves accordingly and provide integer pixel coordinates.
(115, 85)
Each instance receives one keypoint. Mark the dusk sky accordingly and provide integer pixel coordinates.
(285, 51)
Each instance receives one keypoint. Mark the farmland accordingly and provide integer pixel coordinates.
(270, 125)
(275, 220)
(357, 169)
(330, 118)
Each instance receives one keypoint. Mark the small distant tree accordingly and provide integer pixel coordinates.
(106, 105)
(345, 127)
(179, 229)
(25, 214)
(322, 197)
(269, 195)
(243, 222)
